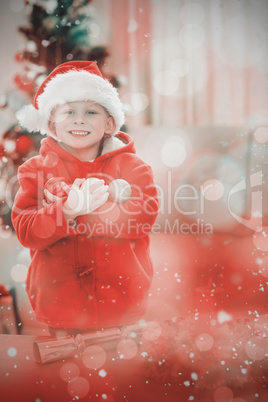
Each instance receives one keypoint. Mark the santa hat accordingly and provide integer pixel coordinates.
(70, 82)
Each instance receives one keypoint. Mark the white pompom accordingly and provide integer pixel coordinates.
(31, 119)
(119, 191)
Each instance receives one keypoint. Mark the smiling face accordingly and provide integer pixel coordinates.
(80, 126)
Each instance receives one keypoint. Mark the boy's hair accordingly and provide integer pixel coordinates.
(70, 82)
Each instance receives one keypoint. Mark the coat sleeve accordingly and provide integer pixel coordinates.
(133, 218)
(36, 226)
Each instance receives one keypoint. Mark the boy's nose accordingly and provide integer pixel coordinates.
(79, 120)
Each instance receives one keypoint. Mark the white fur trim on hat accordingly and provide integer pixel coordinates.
(70, 87)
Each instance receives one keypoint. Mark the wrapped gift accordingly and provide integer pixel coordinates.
(49, 349)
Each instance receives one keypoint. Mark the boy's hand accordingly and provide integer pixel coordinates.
(53, 190)
(84, 196)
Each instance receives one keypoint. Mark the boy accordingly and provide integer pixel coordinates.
(91, 266)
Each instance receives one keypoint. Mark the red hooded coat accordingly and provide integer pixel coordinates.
(99, 273)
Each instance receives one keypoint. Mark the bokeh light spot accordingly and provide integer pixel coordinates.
(223, 394)
(24, 257)
(191, 37)
(132, 25)
(5, 232)
(260, 239)
(19, 272)
(264, 266)
(51, 5)
(152, 331)
(139, 101)
(94, 30)
(236, 278)
(134, 103)
(262, 323)
(78, 387)
(194, 376)
(127, 349)
(3, 185)
(180, 67)
(261, 134)
(107, 398)
(9, 146)
(12, 352)
(69, 371)
(31, 46)
(204, 342)
(223, 316)
(256, 348)
(44, 226)
(102, 373)
(6, 166)
(166, 82)
(173, 153)
(213, 189)
(94, 357)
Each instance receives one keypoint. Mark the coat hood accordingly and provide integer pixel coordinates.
(119, 143)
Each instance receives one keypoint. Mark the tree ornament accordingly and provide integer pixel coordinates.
(79, 35)
(51, 6)
(31, 46)
(50, 22)
(24, 83)
(19, 56)
(6, 166)
(24, 144)
(9, 145)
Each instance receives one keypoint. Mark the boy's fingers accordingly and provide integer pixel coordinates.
(96, 185)
(100, 190)
(65, 187)
(78, 182)
(92, 186)
(50, 196)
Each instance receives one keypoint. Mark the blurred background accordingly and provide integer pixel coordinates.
(192, 76)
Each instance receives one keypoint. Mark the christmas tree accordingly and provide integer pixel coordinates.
(57, 31)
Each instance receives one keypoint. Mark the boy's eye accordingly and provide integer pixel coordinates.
(91, 112)
(69, 112)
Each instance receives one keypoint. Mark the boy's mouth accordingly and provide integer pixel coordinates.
(79, 132)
